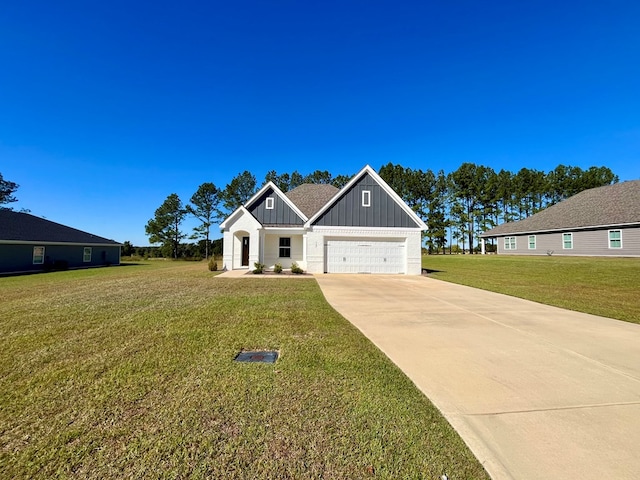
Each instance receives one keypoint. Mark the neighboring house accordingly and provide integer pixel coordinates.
(363, 228)
(603, 221)
(31, 244)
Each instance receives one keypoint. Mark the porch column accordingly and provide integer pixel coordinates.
(482, 250)
(261, 235)
(304, 251)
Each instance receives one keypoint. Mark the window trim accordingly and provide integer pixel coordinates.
(534, 242)
(366, 198)
(284, 251)
(615, 239)
(84, 254)
(270, 203)
(564, 243)
(41, 262)
(509, 245)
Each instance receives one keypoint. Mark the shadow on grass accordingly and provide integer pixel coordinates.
(53, 269)
(427, 271)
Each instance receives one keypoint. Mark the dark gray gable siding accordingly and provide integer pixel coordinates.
(348, 211)
(281, 214)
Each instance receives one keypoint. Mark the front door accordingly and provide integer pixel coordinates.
(245, 251)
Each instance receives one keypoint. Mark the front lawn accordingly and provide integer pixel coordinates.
(127, 372)
(609, 287)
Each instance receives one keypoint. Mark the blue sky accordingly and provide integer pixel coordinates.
(108, 107)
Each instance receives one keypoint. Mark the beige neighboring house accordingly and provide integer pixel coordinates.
(603, 221)
(364, 227)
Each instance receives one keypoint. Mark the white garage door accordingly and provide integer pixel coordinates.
(365, 256)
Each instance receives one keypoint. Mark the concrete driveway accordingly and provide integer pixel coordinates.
(536, 392)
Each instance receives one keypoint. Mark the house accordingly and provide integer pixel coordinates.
(363, 228)
(31, 244)
(603, 221)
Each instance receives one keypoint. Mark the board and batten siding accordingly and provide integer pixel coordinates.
(594, 242)
(383, 211)
(280, 214)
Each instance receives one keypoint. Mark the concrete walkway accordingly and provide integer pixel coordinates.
(537, 392)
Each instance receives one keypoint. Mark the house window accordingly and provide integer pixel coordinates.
(86, 255)
(269, 205)
(615, 238)
(366, 198)
(38, 255)
(285, 247)
(532, 242)
(509, 243)
(567, 241)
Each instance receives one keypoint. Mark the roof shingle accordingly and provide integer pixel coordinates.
(310, 198)
(617, 204)
(23, 227)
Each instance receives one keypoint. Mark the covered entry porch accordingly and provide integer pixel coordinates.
(244, 248)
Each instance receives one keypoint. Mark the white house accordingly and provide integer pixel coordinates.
(363, 228)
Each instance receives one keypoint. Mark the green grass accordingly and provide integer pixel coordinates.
(127, 372)
(609, 287)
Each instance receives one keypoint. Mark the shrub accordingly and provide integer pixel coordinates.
(277, 268)
(259, 267)
(296, 269)
(213, 265)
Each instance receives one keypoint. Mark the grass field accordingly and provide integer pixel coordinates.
(127, 372)
(608, 287)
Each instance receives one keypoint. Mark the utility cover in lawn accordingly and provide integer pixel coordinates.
(262, 357)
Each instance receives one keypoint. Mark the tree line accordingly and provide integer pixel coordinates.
(475, 198)
(456, 206)
(459, 205)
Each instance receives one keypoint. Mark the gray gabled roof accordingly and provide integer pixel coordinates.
(611, 205)
(22, 227)
(310, 198)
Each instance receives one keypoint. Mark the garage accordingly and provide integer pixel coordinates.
(366, 256)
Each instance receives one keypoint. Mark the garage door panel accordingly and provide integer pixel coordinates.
(365, 256)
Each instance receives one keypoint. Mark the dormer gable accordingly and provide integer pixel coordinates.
(271, 207)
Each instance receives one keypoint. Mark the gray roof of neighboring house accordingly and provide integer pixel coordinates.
(310, 198)
(611, 205)
(22, 227)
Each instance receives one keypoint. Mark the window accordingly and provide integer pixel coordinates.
(86, 256)
(532, 242)
(366, 198)
(615, 238)
(285, 247)
(509, 243)
(269, 205)
(567, 241)
(38, 255)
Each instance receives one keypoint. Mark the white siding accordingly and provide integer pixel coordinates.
(272, 250)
